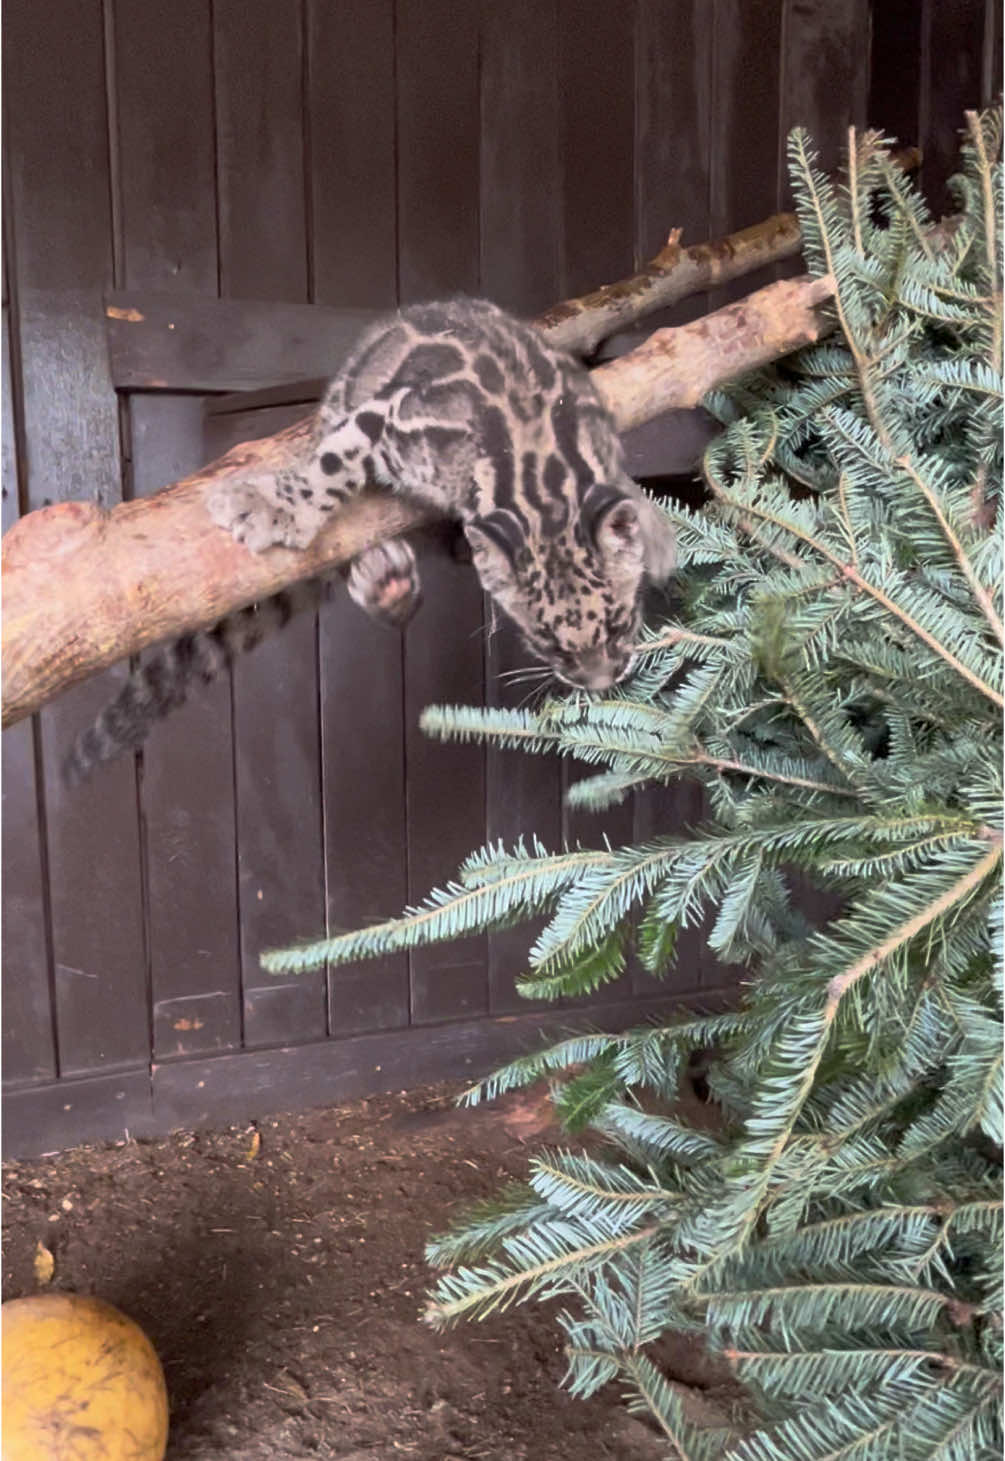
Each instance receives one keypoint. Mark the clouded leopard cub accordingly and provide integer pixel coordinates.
(465, 408)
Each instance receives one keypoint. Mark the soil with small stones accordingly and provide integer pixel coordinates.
(278, 1269)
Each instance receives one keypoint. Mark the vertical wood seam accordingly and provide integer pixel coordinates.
(783, 79)
(307, 148)
(310, 268)
(124, 423)
(924, 110)
(987, 53)
(214, 108)
(21, 485)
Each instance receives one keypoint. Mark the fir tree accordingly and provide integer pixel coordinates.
(835, 682)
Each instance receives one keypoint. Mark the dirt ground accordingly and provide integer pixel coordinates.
(278, 1270)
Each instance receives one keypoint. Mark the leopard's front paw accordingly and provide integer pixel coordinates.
(256, 520)
(385, 582)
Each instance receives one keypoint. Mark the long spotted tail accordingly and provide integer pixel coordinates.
(163, 682)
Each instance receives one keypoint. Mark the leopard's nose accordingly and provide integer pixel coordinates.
(596, 670)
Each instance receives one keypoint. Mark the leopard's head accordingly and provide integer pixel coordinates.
(574, 588)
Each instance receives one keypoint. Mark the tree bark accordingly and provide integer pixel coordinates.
(579, 325)
(84, 587)
(675, 368)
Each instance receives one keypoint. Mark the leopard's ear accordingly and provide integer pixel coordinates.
(495, 541)
(658, 537)
(612, 520)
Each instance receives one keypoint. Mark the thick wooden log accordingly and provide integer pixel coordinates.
(677, 367)
(85, 587)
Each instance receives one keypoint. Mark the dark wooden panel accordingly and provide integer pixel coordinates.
(10, 488)
(28, 1044)
(199, 343)
(254, 1083)
(743, 183)
(438, 243)
(224, 430)
(258, 64)
(895, 69)
(670, 445)
(436, 45)
(521, 237)
(994, 53)
(280, 847)
(188, 803)
(521, 195)
(57, 139)
(364, 807)
(825, 78)
(523, 799)
(352, 148)
(164, 86)
(166, 185)
(305, 393)
(952, 62)
(41, 1120)
(445, 790)
(354, 211)
(672, 163)
(673, 75)
(597, 88)
(277, 775)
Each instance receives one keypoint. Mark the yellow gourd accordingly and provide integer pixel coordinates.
(79, 1380)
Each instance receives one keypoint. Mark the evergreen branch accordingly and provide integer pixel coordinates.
(854, 1429)
(853, 576)
(573, 1184)
(660, 1401)
(490, 1287)
(577, 974)
(799, 708)
(844, 1239)
(445, 915)
(814, 1304)
(839, 1231)
(901, 857)
(990, 1390)
(990, 212)
(978, 590)
(902, 200)
(721, 764)
(906, 932)
(842, 1365)
(671, 637)
(853, 186)
(807, 173)
(846, 519)
(993, 1207)
(577, 921)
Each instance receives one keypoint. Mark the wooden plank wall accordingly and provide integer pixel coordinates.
(303, 153)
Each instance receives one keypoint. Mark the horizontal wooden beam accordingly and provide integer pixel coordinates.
(217, 1089)
(193, 342)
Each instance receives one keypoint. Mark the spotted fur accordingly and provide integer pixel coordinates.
(471, 411)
